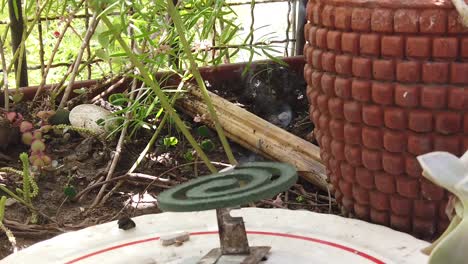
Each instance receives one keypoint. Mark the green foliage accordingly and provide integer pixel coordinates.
(70, 191)
(11, 170)
(134, 39)
(189, 155)
(203, 131)
(2, 207)
(211, 27)
(76, 129)
(170, 141)
(29, 189)
(207, 145)
(7, 231)
(300, 199)
(61, 117)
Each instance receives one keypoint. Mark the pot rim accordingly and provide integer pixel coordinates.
(215, 74)
(446, 4)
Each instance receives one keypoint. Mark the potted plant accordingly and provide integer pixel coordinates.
(387, 81)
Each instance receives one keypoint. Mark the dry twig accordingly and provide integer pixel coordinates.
(118, 149)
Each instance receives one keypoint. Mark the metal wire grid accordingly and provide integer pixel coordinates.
(293, 36)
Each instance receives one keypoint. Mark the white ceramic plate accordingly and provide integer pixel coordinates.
(297, 237)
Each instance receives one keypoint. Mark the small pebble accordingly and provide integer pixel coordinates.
(126, 223)
(66, 137)
(10, 202)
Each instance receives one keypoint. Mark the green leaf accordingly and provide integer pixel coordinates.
(2, 207)
(300, 199)
(102, 54)
(170, 141)
(118, 99)
(104, 40)
(80, 91)
(17, 97)
(69, 191)
(207, 145)
(188, 156)
(203, 131)
(16, 9)
(273, 58)
(100, 122)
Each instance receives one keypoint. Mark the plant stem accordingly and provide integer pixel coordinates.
(156, 133)
(28, 32)
(157, 90)
(149, 145)
(18, 41)
(93, 24)
(2, 208)
(10, 236)
(5, 77)
(78, 129)
(41, 41)
(196, 73)
(11, 170)
(16, 197)
(7, 231)
(28, 184)
(30, 206)
(26, 181)
(54, 51)
(88, 48)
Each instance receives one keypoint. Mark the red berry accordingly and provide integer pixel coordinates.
(56, 34)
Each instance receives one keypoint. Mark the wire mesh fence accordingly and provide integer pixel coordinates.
(275, 23)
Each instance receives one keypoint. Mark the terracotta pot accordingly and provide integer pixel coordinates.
(387, 81)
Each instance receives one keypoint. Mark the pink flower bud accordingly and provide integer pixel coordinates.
(11, 116)
(26, 126)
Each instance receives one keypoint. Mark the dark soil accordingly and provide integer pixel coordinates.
(81, 161)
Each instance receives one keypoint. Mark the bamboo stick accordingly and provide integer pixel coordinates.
(258, 135)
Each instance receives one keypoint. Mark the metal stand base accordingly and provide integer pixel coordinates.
(215, 256)
(235, 247)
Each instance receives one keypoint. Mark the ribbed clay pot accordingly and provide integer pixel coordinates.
(387, 81)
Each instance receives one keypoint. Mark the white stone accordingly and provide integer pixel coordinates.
(168, 240)
(88, 115)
